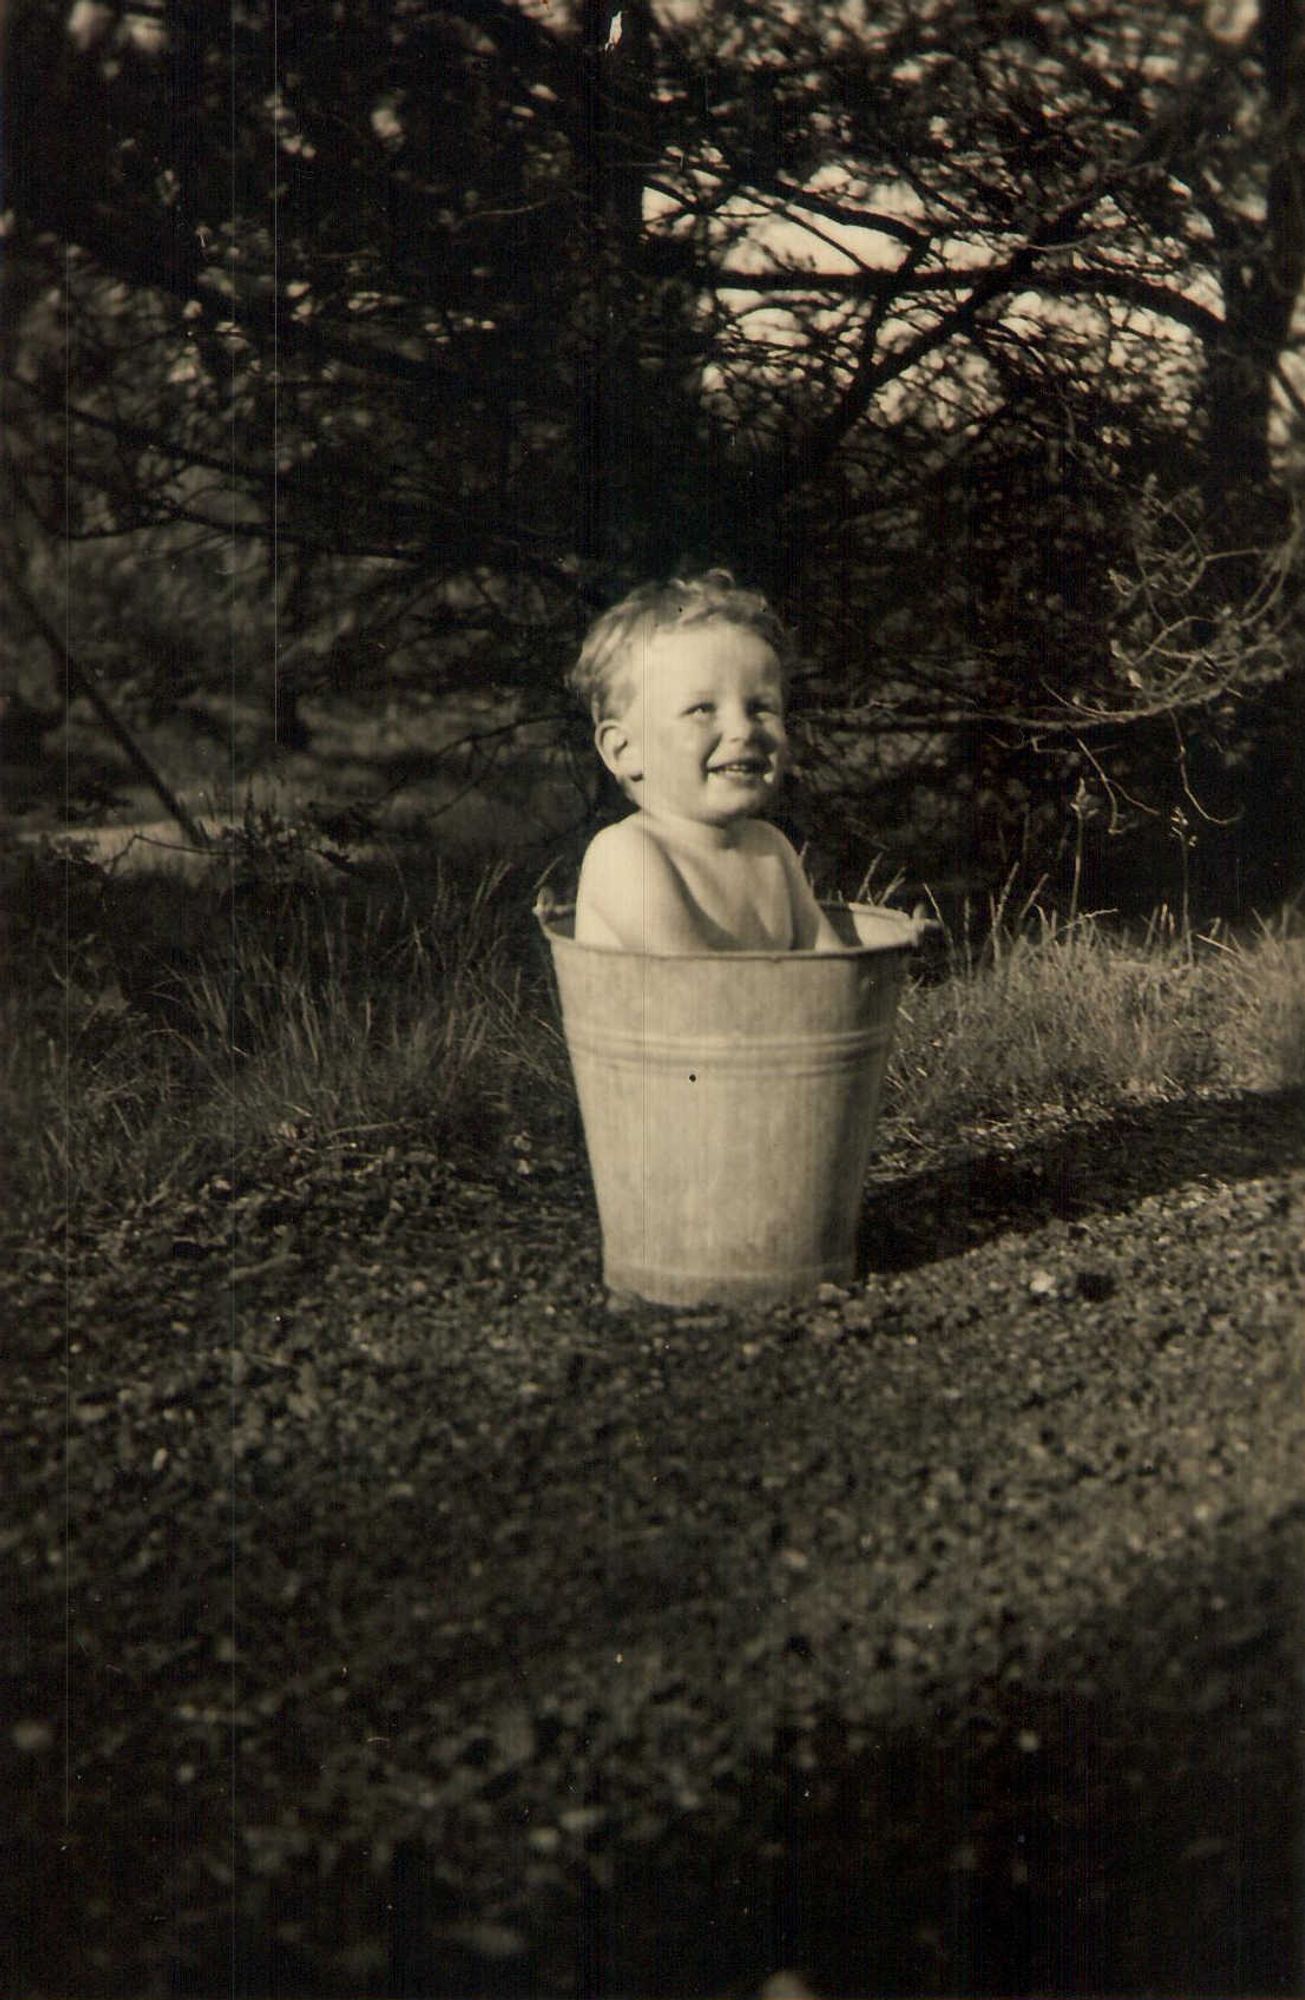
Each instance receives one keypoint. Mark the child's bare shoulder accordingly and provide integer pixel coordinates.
(760, 837)
(625, 852)
(617, 845)
(765, 843)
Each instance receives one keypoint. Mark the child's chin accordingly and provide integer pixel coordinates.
(742, 809)
(741, 794)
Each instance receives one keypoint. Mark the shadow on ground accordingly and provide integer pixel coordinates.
(1075, 1837)
(1089, 1169)
(1122, 1816)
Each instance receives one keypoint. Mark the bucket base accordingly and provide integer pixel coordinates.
(710, 1288)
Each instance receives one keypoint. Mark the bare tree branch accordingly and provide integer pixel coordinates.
(79, 678)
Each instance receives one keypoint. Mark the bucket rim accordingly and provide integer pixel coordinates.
(912, 930)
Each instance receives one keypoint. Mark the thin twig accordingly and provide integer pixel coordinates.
(78, 676)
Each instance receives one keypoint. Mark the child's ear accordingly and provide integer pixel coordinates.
(615, 746)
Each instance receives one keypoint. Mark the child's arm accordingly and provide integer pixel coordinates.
(630, 896)
(812, 930)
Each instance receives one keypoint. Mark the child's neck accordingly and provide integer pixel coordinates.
(700, 833)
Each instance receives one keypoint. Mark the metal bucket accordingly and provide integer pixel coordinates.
(729, 1102)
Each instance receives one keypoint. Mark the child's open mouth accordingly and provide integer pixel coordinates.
(745, 767)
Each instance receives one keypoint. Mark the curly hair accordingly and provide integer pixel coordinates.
(602, 677)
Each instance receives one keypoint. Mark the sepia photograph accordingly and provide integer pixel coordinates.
(652, 999)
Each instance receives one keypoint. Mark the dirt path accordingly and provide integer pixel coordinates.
(394, 1618)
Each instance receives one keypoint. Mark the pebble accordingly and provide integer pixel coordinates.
(31, 1737)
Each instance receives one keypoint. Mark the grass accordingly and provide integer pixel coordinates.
(155, 1030)
(1065, 1014)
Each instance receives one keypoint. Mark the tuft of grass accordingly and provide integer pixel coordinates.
(179, 1032)
(1054, 1013)
(1260, 982)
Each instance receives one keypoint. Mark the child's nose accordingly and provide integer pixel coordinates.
(741, 725)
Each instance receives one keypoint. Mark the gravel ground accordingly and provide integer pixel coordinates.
(395, 1618)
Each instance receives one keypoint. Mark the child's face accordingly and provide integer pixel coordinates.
(703, 736)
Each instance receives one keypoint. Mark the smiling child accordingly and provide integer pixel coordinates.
(686, 684)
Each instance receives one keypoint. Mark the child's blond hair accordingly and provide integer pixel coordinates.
(602, 676)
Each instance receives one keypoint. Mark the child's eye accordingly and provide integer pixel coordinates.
(702, 708)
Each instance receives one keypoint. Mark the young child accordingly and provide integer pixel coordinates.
(686, 683)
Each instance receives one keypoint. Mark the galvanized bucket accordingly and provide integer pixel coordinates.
(729, 1102)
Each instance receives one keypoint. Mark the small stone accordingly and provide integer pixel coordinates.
(514, 1738)
(785, 1986)
(31, 1737)
(1042, 1284)
(490, 1940)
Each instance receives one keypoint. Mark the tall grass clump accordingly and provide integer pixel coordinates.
(1259, 977)
(1047, 1013)
(156, 1030)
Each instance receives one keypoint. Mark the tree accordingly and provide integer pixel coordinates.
(465, 314)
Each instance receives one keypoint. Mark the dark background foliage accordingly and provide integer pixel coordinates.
(371, 349)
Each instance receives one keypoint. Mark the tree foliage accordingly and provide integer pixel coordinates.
(963, 326)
